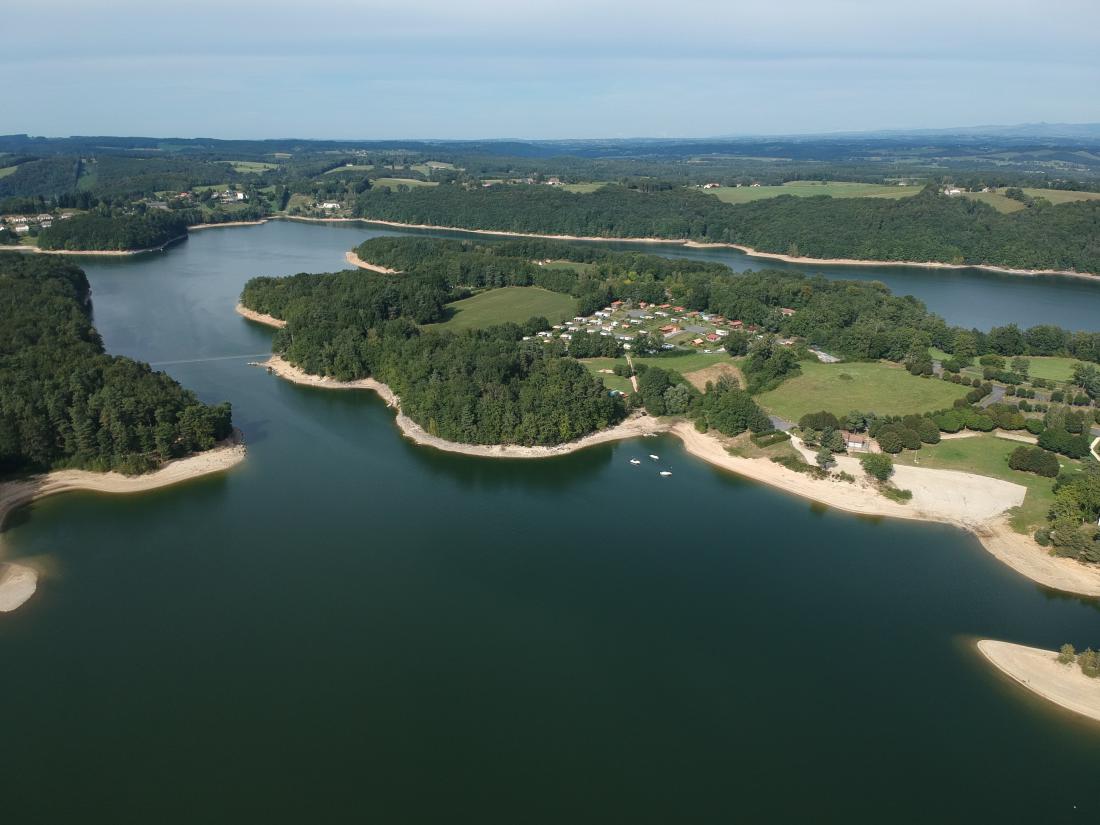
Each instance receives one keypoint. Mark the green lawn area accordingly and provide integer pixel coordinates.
(508, 303)
(251, 166)
(583, 188)
(1051, 367)
(8, 170)
(806, 189)
(612, 382)
(354, 167)
(1056, 196)
(393, 183)
(577, 266)
(987, 455)
(872, 387)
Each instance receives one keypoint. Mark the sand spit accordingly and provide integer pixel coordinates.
(1040, 672)
(16, 579)
(227, 223)
(355, 260)
(259, 317)
(100, 252)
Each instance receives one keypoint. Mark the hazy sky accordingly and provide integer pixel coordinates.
(531, 69)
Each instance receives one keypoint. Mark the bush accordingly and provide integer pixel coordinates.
(768, 439)
(928, 431)
(1068, 444)
(900, 496)
(877, 465)
(1067, 655)
(819, 421)
(890, 441)
(1034, 460)
(1089, 662)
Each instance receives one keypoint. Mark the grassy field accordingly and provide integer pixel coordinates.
(1056, 196)
(806, 189)
(1051, 367)
(870, 387)
(583, 188)
(8, 170)
(612, 382)
(509, 303)
(251, 166)
(685, 364)
(393, 183)
(576, 266)
(987, 455)
(355, 167)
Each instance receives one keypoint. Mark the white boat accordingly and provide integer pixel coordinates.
(635, 461)
(654, 457)
(665, 473)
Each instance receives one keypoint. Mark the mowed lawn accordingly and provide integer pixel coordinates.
(393, 183)
(1051, 367)
(612, 382)
(868, 387)
(685, 364)
(987, 455)
(808, 189)
(508, 303)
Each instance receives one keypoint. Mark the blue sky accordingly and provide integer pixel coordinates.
(474, 69)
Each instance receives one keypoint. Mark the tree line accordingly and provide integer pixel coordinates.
(66, 403)
(926, 227)
(94, 230)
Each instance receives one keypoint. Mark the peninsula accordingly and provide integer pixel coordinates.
(1043, 674)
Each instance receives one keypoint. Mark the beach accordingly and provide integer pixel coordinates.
(355, 260)
(748, 250)
(1040, 672)
(972, 502)
(259, 317)
(17, 582)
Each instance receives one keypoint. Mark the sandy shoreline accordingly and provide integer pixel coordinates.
(965, 500)
(1040, 672)
(98, 252)
(259, 317)
(355, 260)
(748, 250)
(17, 582)
(228, 223)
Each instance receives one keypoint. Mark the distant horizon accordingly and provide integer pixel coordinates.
(1004, 129)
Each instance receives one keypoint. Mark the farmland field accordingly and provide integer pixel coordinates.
(807, 189)
(869, 387)
(393, 183)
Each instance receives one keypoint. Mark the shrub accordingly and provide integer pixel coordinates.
(1089, 662)
(819, 421)
(1067, 655)
(928, 431)
(890, 441)
(877, 465)
(1034, 460)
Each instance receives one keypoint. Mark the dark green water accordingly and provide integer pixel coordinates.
(347, 628)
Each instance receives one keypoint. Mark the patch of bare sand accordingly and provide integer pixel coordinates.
(355, 260)
(259, 317)
(1040, 672)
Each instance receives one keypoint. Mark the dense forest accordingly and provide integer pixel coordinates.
(856, 319)
(925, 227)
(106, 232)
(64, 402)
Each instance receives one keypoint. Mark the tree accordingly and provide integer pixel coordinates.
(825, 458)
(1067, 655)
(877, 465)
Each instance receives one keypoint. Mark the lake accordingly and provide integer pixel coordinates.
(347, 627)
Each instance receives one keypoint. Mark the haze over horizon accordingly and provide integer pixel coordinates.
(427, 69)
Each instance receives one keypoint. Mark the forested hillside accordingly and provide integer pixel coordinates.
(64, 402)
(926, 227)
(120, 232)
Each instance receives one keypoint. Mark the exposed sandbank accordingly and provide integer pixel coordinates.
(1040, 672)
(228, 223)
(259, 317)
(966, 500)
(98, 252)
(14, 582)
(355, 260)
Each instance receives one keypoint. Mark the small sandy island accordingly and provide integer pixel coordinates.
(259, 317)
(1040, 672)
(17, 583)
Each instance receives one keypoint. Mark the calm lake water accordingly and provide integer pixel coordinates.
(348, 628)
